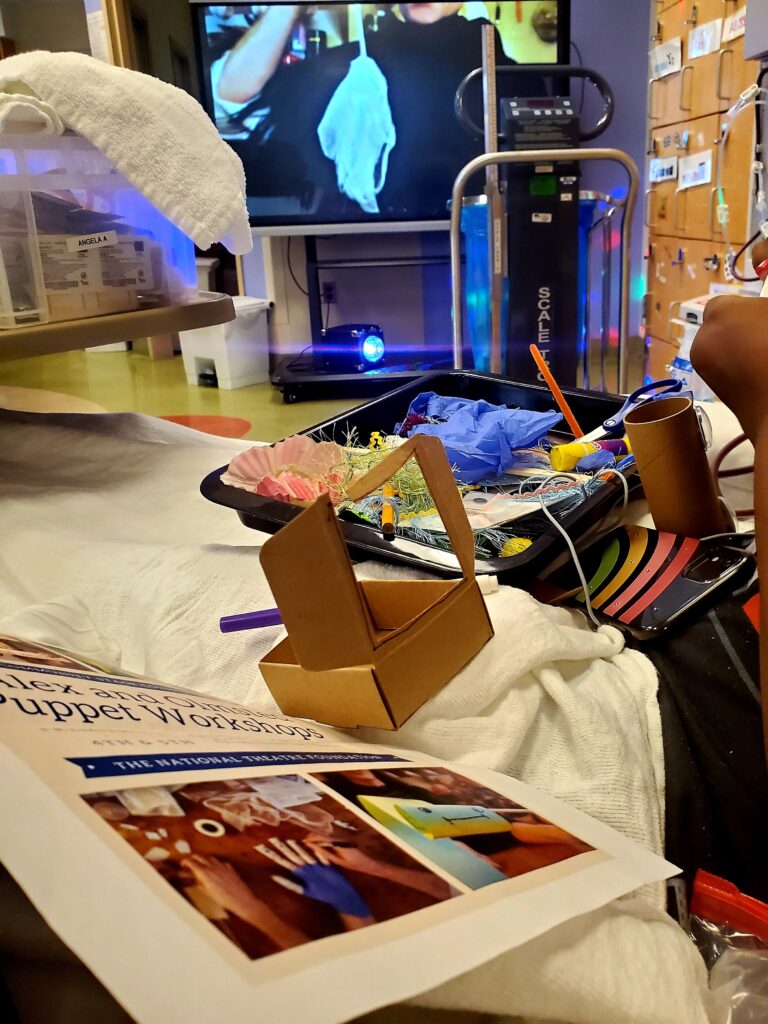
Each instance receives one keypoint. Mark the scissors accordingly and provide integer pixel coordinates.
(614, 426)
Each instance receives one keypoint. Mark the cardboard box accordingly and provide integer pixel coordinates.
(370, 653)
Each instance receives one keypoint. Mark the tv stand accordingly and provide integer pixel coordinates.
(315, 265)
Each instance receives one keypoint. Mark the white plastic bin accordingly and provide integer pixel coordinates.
(77, 240)
(236, 352)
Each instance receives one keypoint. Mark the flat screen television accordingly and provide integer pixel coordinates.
(343, 114)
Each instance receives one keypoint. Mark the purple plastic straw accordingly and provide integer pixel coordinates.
(250, 620)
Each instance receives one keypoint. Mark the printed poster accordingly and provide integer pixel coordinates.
(198, 854)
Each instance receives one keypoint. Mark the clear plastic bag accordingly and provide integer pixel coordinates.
(731, 932)
(357, 132)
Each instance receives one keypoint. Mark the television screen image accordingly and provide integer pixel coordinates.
(344, 113)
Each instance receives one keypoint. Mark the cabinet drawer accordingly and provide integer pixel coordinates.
(738, 74)
(688, 213)
(714, 82)
(705, 85)
(699, 12)
(664, 93)
(678, 269)
(692, 212)
(658, 357)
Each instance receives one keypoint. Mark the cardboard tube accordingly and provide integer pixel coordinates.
(672, 462)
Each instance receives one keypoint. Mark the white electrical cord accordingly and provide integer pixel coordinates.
(564, 534)
(585, 586)
(625, 485)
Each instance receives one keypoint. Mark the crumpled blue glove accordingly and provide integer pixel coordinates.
(479, 438)
(324, 883)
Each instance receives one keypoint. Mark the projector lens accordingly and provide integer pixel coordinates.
(372, 348)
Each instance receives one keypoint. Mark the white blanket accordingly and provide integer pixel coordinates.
(109, 548)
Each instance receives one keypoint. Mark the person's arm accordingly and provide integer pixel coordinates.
(730, 352)
(252, 62)
(352, 859)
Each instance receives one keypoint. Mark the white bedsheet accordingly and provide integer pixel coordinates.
(108, 548)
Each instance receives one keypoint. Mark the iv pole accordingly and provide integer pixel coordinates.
(497, 242)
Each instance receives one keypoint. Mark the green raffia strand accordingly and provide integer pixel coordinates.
(412, 493)
(413, 498)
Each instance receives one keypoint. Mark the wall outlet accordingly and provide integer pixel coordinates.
(328, 293)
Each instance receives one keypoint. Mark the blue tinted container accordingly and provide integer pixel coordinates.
(477, 284)
(78, 240)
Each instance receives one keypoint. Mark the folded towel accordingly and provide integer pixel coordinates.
(156, 135)
(27, 115)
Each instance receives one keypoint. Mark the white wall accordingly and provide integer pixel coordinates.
(45, 25)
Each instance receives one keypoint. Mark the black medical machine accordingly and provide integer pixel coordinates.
(546, 252)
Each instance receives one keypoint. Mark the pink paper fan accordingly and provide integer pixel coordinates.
(297, 470)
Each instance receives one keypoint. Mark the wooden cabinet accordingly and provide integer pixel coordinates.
(699, 12)
(665, 93)
(692, 212)
(686, 114)
(738, 73)
(678, 269)
(705, 84)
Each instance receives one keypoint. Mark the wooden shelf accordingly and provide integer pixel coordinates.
(43, 339)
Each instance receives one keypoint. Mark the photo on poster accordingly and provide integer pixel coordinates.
(273, 862)
(475, 834)
(25, 652)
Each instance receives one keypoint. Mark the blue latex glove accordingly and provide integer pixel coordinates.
(322, 882)
(479, 438)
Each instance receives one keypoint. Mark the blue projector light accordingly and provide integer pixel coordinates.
(372, 349)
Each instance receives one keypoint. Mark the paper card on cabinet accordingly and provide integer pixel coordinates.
(695, 170)
(705, 39)
(663, 168)
(667, 58)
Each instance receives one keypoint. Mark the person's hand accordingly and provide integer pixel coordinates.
(222, 884)
(349, 857)
(542, 833)
(759, 252)
(312, 875)
(352, 859)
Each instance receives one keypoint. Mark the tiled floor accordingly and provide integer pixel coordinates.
(130, 382)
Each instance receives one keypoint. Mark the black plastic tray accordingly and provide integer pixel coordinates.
(382, 413)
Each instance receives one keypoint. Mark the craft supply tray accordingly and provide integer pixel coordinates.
(382, 413)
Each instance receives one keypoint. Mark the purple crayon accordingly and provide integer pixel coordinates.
(250, 620)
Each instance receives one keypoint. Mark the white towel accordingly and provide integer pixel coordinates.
(27, 115)
(113, 549)
(157, 136)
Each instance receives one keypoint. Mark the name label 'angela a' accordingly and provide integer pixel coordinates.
(95, 241)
